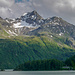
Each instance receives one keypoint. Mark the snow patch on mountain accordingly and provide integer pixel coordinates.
(17, 25)
(7, 21)
(24, 14)
(24, 24)
(12, 33)
(60, 34)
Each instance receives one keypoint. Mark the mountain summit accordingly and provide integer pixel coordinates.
(31, 19)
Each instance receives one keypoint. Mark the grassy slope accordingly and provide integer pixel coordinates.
(21, 49)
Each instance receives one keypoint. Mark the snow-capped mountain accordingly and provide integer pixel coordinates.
(31, 37)
(27, 22)
(30, 20)
(32, 23)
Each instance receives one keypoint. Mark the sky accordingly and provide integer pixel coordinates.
(46, 8)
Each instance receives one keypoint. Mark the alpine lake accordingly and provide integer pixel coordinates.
(11, 72)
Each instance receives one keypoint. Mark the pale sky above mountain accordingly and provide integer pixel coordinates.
(46, 8)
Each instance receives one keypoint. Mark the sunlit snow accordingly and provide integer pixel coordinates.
(17, 25)
(24, 24)
(24, 14)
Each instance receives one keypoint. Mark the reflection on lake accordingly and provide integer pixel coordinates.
(7, 72)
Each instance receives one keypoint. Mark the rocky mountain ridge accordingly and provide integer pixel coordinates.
(31, 23)
(31, 37)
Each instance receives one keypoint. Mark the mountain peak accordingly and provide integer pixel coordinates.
(59, 20)
(55, 17)
(34, 11)
(34, 15)
(32, 18)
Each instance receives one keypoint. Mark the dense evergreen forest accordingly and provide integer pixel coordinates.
(71, 62)
(40, 65)
(52, 64)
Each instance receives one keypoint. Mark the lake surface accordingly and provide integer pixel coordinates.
(37, 72)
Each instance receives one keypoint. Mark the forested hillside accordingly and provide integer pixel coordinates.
(18, 50)
(40, 65)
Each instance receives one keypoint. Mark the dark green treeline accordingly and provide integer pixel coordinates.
(39, 65)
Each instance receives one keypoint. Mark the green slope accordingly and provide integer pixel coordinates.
(18, 50)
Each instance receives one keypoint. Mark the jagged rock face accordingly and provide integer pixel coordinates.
(32, 23)
(57, 26)
(32, 18)
(27, 22)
